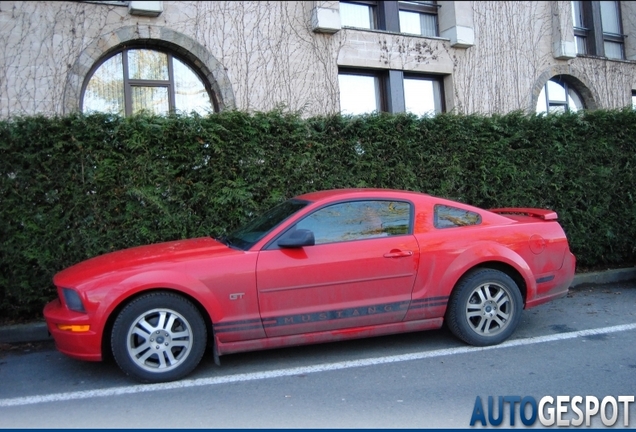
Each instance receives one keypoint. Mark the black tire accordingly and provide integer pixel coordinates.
(485, 308)
(158, 337)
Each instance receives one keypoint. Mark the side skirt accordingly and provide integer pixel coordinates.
(326, 336)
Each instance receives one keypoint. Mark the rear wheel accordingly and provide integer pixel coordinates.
(485, 308)
(158, 337)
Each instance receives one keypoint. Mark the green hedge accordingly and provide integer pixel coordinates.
(77, 186)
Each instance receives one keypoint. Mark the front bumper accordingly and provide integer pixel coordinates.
(83, 345)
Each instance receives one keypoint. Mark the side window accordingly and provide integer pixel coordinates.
(449, 217)
(358, 220)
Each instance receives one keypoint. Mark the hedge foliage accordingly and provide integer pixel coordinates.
(77, 186)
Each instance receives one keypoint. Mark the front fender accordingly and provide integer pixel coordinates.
(103, 300)
(166, 279)
(225, 287)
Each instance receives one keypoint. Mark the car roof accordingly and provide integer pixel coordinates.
(357, 193)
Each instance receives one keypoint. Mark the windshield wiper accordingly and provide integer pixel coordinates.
(227, 242)
(223, 239)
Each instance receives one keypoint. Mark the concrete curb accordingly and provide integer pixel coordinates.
(604, 277)
(22, 333)
(37, 332)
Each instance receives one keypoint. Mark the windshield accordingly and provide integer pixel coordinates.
(248, 235)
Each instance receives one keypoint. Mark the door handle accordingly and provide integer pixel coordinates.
(396, 253)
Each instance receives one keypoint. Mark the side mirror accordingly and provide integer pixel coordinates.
(297, 239)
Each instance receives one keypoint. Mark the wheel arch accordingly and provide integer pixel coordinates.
(494, 256)
(107, 353)
(503, 267)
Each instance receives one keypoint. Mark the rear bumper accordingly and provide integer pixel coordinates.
(556, 287)
(84, 345)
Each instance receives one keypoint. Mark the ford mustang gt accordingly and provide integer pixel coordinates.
(324, 266)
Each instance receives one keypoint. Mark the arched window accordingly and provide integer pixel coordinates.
(134, 80)
(557, 96)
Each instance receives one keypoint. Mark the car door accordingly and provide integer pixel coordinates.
(359, 272)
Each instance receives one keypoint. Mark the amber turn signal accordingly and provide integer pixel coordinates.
(74, 327)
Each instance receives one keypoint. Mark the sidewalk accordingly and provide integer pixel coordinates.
(37, 332)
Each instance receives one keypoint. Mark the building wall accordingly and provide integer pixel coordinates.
(260, 55)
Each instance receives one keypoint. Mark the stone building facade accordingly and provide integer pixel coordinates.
(317, 57)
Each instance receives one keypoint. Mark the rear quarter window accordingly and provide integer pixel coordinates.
(451, 217)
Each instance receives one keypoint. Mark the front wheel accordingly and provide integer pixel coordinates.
(158, 337)
(485, 308)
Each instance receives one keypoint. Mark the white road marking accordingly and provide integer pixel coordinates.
(116, 391)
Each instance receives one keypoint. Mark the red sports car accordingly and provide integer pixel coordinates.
(320, 267)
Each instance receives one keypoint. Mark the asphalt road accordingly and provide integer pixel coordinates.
(584, 344)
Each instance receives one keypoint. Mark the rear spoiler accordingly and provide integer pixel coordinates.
(544, 214)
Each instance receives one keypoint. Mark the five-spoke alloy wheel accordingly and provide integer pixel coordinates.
(158, 337)
(485, 308)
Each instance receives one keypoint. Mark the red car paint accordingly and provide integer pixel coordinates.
(267, 297)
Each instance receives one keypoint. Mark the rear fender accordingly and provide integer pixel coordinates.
(482, 253)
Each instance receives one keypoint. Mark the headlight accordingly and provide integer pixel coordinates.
(72, 300)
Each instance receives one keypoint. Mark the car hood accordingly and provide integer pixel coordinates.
(155, 255)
